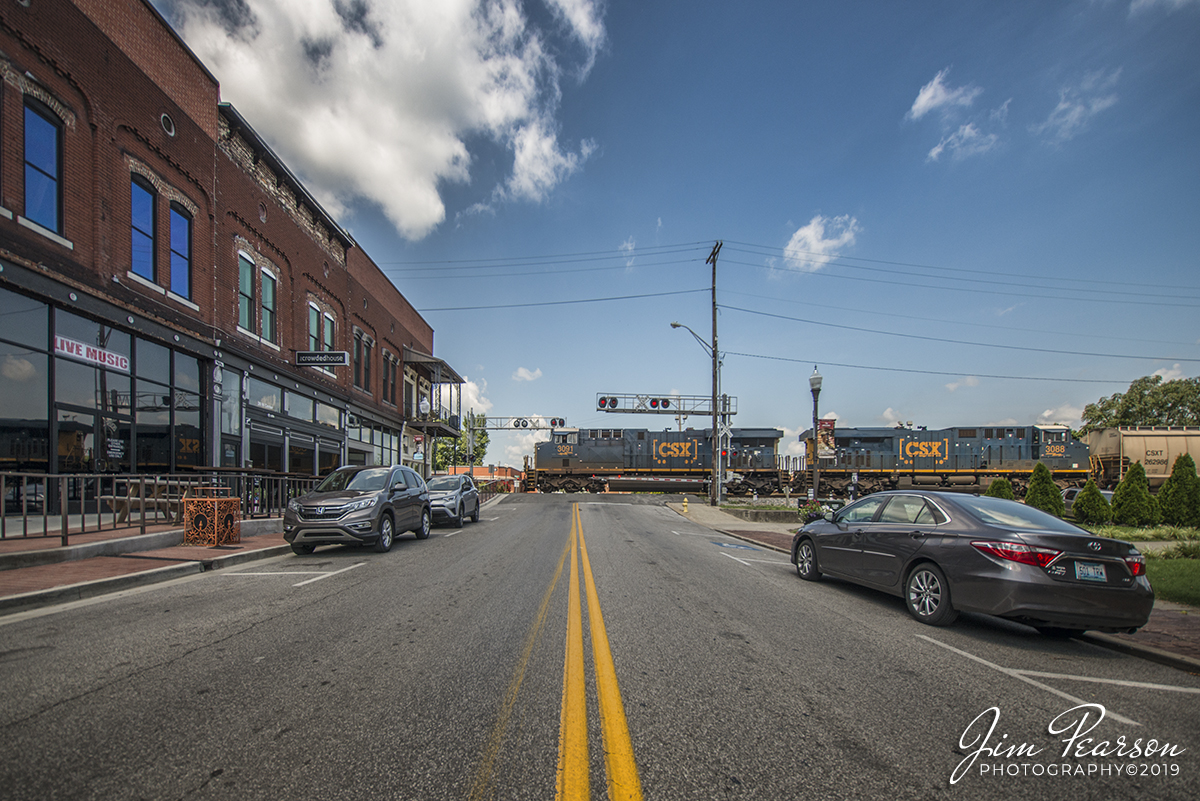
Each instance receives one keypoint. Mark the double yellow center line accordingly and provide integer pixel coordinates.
(573, 781)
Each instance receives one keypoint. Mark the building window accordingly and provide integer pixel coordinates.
(320, 329)
(141, 229)
(181, 252)
(43, 167)
(245, 292)
(268, 307)
(362, 361)
(390, 368)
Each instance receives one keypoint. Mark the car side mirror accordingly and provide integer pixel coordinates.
(399, 485)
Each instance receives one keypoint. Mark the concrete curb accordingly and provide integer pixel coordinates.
(93, 589)
(1147, 652)
(117, 547)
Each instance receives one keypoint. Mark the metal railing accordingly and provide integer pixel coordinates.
(38, 505)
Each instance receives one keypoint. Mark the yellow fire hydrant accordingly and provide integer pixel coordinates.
(685, 504)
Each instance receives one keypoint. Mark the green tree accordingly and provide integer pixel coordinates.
(1132, 503)
(1043, 493)
(1149, 401)
(1179, 498)
(1091, 506)
(1001, 488)
(458, 451)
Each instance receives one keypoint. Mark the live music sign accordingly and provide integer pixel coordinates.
(91, 354)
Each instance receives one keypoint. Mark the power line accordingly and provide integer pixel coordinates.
(565, 258)
(943, 321)
(958, 342)
(564, 302)
(928, 372)
(1076, 283)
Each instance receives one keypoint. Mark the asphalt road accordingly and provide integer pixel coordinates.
(437, 671)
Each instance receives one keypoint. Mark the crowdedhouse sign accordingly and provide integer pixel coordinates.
(322, 358)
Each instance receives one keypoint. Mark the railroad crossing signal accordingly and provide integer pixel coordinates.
(662, 404)
(527, 423)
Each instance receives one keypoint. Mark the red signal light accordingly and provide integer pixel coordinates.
(654, 403)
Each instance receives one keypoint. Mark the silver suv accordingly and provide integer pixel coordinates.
(359, 506)
(453, 499)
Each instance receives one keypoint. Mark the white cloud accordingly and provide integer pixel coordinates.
(17, 369)
(1078, 105)
(520, 445)
(523, 374)
(1065, 415)
(969, 381)
(819, 242)
(890, 416)
(1169, 374)
(377, 101)
(472, 395)
(1138, 6)
(966, 141)
(936, 95)
(628, 247)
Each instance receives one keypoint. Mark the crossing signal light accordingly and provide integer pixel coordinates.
(520, 423)
(607, 403)
(660, 403)
(557, 422)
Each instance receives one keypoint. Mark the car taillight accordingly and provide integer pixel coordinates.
(1136, 563)
(1018, 552)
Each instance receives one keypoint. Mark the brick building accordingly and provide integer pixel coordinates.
(160, 267)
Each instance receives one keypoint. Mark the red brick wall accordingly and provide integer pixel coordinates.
(136, 28)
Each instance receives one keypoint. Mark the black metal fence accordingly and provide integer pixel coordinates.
(41, 505)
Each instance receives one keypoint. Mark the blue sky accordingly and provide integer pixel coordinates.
(964, 213)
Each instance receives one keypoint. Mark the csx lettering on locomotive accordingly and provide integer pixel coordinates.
(934, 450)
(677, 450)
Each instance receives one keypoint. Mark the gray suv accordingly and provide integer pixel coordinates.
(454, 499)
(359, 506)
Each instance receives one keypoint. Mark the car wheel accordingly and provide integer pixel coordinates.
(475, 514)
(423, 531)
(302, 550)
(458, 521)
(806, 561)
(927, 594)
(387, 533)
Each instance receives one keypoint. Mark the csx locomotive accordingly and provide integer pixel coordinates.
(595, 460)
(861, 460)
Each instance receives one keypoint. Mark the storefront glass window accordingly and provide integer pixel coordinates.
(328, 415)
(153, 361)
(231, 402)
(23, 320)
(187, 372)
(24, 391)
(90, 332)
(80, 385)
(299, 407)
(153, 437)
(265, 396)
(301, 458)
(188, 437)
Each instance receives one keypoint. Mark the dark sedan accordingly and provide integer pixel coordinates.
(946, 553)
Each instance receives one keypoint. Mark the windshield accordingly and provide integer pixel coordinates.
(1011, 514)
(371, 479)
(444, 483)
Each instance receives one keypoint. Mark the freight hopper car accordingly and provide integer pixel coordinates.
(964, 459)
(1114, 450)
(596, 460)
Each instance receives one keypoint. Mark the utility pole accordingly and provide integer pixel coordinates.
(715, 489)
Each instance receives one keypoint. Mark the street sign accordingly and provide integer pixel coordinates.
(322, 358)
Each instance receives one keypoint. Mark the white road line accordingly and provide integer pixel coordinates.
(734, 558)
(277, 573)
(327, 575)
(451, 534)
(1016, 674)
(1119, 682)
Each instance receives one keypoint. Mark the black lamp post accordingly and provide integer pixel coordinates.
(814, 382)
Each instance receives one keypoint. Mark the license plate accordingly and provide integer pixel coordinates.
(1090, 571)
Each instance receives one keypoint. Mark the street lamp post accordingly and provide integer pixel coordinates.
(814, 382)
(714, 488)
